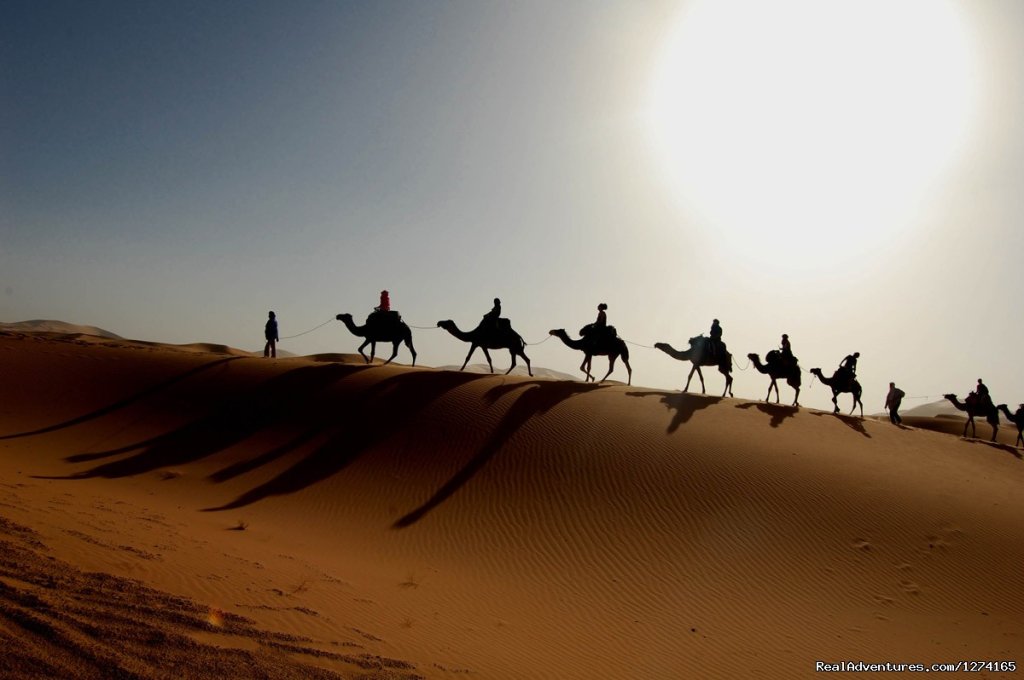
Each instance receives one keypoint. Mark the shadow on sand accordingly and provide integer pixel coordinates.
(229, 423)
(682, 403)
(123, 403)
(336, 431)
(1012, 450)
(537, 398)
(853, 422)
(777, 412)
(348, 431)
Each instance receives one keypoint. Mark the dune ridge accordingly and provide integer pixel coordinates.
(508, 527)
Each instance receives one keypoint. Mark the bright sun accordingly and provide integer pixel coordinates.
(796, 126)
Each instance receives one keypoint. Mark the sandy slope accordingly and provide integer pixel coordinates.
(396, 522)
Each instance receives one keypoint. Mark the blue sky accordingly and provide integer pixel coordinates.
(171, 171)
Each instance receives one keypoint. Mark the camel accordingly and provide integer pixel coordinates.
(842, 383)
(973, 408)
(487, 336)
(386, 329)
(608, 345)
(1017, 419)
(777, 367)
(699, 357)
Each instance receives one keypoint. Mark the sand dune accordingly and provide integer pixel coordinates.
(51, 326)
(262, 516)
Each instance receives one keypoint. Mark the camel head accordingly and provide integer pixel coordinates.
(753, 357)
(558, 332)
(663, 346)
(447, 324)
(816, 371)
(951, 397)
(342, 317)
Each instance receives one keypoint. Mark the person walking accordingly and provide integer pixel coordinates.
(892, 403)
(270, 333)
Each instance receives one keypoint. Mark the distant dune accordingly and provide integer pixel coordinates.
(49, 326)
(933, 409)
(198, 511)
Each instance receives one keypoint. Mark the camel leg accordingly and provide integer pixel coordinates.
(796, 398)
(394, 351)
(472, 348)
(995, 431)
(686, 388)
(1020, 438)
(360, 350)
(488, 355)
(611, 367)
(728, 384)
(511, 354)
(529, 369)
(585, 367)
(768, 397)
(856, 400)
(412, 351)
(629, 371)
(835, 402)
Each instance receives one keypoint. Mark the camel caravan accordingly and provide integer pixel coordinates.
(495, 332)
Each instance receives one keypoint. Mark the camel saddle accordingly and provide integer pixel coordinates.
(843, 377)
(777, 358)
(594, 332)
(379, 319)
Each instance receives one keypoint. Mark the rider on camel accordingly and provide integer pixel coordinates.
(849, 364)
(491, 317)
(385, 303)
(785, 348)
(984, 399)
(716, 344)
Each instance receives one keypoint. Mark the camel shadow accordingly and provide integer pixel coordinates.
(777, 412)
(538, 397)
(381, 410)
(125, 402)
(683, 404)
(854, 423)
(229, 423)
(1012, 450)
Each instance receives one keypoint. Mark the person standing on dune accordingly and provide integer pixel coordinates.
(270, 333)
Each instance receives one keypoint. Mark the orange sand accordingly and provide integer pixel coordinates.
(200, 512)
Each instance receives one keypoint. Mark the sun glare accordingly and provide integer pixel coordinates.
(803, 125)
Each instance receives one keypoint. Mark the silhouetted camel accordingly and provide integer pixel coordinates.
(777, 367)
(987, 410)
(698, 355)
(1017, 419)
(839, 384)
(486, 336)
(376, 331)
(607, 345)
